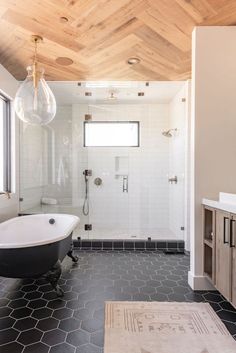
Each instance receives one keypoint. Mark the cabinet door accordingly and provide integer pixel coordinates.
(233, 245)
(223, 253)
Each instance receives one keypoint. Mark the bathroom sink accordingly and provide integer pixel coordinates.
(227, 198)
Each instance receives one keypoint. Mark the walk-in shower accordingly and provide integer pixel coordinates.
(117, 171)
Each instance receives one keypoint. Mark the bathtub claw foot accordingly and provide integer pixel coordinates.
(59, 291)
(53, 277)
(74, 258)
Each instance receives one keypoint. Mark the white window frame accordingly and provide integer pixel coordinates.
(86, 123)
(6, 145)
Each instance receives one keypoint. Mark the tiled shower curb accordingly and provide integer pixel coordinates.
(130, 245)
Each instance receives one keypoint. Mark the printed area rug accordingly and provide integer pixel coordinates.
(163, 327)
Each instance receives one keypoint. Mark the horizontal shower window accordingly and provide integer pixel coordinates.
(4, 144)
(111, 134)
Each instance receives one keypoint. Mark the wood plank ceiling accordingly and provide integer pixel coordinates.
(100, 35)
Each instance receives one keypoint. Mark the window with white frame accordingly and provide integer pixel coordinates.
(111, 134)
(5, 151)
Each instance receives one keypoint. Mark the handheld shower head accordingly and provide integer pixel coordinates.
(169, 133)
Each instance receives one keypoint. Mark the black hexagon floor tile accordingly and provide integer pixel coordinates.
(18, 303)
(34, 320)
(97, 338)
(5, 311)
(78, 338)
(62, 348)
(54, 337)
(70, 324)
(30, 336)
(42, 313)
(21, 313)
(25, 324)
(37, 348)
(47, 324)
(8, 336)
(12, 347)
(6, 322)
(89, 348)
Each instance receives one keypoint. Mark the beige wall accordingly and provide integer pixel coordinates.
(9, 208)
(213, 150)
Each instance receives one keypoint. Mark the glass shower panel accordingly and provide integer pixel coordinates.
(34, 171)
(51, 165)
(109, 183)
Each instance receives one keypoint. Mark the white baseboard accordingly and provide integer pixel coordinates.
(199, 282)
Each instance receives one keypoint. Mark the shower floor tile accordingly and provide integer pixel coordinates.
(33, 319)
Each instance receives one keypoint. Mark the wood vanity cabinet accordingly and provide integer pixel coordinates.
(219, 233)
(233, 300)
(223, 253)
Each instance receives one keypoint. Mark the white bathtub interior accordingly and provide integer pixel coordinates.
(53, 158)
(34, 230)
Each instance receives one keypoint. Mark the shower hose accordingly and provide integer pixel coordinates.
(86, 199)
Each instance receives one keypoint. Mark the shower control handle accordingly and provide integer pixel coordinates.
(98, 181)
(173, 180)
(87, 172)
(125, 183)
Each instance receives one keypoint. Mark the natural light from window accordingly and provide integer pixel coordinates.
(111, 134)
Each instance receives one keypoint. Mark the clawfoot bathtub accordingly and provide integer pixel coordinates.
(34, 246)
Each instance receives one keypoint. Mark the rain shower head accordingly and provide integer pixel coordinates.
(169, 133)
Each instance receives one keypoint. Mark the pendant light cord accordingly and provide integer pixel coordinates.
(35, 51)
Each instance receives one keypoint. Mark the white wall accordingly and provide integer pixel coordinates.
(9, 208)
(213, 152)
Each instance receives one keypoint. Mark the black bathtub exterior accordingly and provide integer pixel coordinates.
(33, 261)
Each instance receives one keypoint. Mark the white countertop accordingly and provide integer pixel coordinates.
(227, 202)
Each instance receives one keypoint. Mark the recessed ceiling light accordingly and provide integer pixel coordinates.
(133, 61)
(63, 19)
(61, 60)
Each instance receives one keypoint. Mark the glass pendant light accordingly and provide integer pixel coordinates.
(34, 101)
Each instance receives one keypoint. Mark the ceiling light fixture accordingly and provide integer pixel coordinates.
(34, 101)
(64, 61)
(133, 61)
